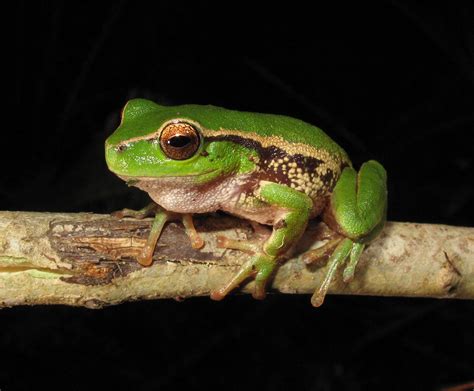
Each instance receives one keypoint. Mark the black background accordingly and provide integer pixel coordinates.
(389, 80)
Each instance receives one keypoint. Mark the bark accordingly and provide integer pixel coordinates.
(88, 260)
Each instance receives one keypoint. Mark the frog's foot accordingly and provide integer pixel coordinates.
(196, 241)
(261, 266)
(147, 211)
(344, 249)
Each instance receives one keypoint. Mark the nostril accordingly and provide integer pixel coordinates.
(120, 147)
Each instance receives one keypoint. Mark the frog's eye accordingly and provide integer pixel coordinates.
(179, 141)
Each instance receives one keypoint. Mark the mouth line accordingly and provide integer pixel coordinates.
(152, 178)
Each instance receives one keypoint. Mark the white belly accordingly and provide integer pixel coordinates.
(182, 195)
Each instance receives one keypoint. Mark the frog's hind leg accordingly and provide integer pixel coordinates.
(357, 210)
(286, 231)
(346, 248)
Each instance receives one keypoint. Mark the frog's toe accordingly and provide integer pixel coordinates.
(147, 211)
(264, 273)
(217, 295)
(337, 258)
(252, 246)
(120, 214)
(348, 274)
(349, 270)
(196, 241)
(235, 281)
(260, 265)
(146, 257)
(321, 254)
(344, 250)
(247, 246)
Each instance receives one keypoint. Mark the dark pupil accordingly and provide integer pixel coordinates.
(179, 141)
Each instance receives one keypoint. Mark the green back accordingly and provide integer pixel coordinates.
(142, 117)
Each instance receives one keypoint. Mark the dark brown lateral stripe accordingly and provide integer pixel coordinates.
(268, 153)
(275, 163)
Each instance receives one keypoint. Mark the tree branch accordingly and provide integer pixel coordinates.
(88, 260)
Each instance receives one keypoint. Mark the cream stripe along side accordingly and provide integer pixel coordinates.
(300, 166)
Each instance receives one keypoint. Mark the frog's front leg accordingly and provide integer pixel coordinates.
(294, 208)
(357, 210)
(161, 217)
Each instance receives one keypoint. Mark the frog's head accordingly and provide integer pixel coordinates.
(157, 142)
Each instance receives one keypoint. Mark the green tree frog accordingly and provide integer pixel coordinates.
(270, 169)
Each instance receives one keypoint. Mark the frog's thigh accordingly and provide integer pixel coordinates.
(359, 201)
(292, 223)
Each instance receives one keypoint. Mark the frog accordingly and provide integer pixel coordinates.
(273, 170)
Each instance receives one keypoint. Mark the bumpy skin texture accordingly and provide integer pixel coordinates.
(271, 169)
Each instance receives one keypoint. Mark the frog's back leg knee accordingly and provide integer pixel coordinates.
(358, 204)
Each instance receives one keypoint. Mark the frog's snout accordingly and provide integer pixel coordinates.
(112, 157)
